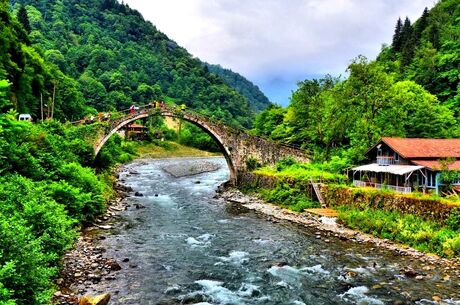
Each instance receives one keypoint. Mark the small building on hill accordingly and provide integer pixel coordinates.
(408, 164)
(136, 131)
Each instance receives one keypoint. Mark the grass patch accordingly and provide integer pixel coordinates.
(290, 169)
(292, 198)
(168, 149)
(427, 236)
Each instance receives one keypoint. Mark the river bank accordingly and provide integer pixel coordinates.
(327, 227)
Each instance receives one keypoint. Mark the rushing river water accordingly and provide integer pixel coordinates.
(186, 247)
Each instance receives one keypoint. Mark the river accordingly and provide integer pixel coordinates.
(188, 247)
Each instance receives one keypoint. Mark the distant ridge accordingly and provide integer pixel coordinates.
(257, 99)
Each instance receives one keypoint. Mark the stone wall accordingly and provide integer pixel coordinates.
(429, 209)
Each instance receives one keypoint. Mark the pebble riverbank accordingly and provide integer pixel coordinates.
(327, 227)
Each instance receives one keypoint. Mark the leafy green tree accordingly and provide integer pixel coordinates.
(269, 119)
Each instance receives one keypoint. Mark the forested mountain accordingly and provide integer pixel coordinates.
(117, 59)
(256, 98)
(428, 52)
(411, 90)
(30, 76)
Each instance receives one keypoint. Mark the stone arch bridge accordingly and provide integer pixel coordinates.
(236, 145)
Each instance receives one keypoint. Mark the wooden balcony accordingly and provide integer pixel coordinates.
(385, 161)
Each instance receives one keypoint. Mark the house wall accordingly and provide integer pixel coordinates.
(386, 151)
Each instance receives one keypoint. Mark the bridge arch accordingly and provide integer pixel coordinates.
(165, 112)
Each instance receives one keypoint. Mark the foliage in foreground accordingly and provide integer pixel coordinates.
(47, 190)
(291, 169)
(290, 197)
(421, 234)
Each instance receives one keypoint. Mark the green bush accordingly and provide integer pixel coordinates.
(423, 235)
(453, 221)
(252, 164)
(285, 163)
(292, 198)
(35, 230)
(85, 179)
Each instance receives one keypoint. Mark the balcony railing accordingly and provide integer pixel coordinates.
(399, 189)
(384, 161)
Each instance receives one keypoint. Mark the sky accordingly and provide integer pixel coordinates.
(276, 43)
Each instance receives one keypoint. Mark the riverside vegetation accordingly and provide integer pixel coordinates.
(424, 232)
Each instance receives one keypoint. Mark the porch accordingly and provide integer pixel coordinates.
(399, 189)
(399, 178)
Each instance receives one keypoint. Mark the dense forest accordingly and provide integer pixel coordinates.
(256, 98)
(411, 90)
(80, 57)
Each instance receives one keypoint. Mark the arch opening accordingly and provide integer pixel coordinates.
(207, 129)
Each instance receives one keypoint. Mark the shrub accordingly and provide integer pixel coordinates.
(285, 163)
(453, 221)
(252, 164)
(292, 198)
(421, 234)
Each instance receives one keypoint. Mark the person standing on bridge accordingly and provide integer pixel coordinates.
(132, 109)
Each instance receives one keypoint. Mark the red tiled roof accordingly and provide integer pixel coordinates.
(424, 148)
(434, 164)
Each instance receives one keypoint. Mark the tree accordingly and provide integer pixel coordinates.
(421, 24)
(408, 44)
(4, 101)
(24, 18)
(397, 37)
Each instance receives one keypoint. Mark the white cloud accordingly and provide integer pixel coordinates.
(288, 40)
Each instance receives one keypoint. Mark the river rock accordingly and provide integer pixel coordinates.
(113, 265)
(137, 194)
(409, 272)
(97, 300)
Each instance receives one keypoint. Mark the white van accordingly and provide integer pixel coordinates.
(25, 117)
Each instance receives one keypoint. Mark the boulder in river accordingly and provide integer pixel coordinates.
(138, 194)
(97, 300)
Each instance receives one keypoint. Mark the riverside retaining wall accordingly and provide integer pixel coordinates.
(338, 195)
(429, 209)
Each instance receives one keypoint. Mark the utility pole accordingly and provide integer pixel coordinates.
(41, 105)
(54, 99)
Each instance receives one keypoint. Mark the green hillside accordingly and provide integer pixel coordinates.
(256, 98)
(410, 90)
(117, 59)
(31, 77)
(428, 52)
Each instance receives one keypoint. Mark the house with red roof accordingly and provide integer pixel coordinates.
(408, 164)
